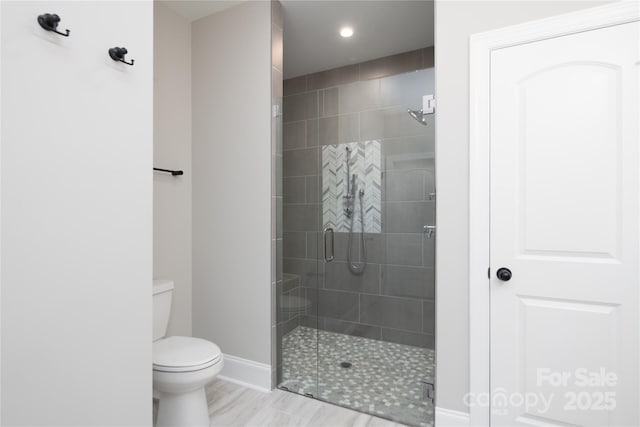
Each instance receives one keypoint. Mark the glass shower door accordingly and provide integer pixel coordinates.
(302, 267)
(375, 301)
(355, 300)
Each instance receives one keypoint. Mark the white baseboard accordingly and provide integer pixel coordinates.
(246, 373)
(451, 418)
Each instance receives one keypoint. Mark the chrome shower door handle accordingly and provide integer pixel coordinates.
(327, 234)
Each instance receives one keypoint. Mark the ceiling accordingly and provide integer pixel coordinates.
(381, 28)
(196, 9)
(311, 39)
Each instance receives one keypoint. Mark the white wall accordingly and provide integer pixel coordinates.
(231, 85)
(76, 215)
(172, 150)
(455, 22)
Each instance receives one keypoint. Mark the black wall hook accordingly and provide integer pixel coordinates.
(118, 53)
(50, 22)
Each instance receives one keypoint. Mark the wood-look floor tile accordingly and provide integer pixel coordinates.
(330, 415)
(300, 406)
(232, 405)
(237, 408)
(269, 416)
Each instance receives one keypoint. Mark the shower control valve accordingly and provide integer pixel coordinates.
(429, 230)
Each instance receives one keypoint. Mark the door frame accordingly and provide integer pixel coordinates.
(481, 45)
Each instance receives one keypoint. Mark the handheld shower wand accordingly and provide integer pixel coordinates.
(357, 267)
(348, 210)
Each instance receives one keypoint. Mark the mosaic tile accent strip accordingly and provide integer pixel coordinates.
(384, 379)
(364, 161)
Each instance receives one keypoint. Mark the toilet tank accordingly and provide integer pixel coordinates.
(162, 292)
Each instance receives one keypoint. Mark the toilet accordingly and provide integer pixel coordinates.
(182, 367)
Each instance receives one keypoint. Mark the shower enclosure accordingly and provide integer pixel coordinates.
(355, 298)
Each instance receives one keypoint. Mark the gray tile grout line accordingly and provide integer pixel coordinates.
(360, 79)
(388, 140)
(416, 299)
(344, 261)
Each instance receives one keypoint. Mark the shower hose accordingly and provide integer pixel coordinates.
(358, 268)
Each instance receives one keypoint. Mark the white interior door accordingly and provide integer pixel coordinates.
(564, 221)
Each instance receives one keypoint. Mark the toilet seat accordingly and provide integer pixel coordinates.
(184, 354)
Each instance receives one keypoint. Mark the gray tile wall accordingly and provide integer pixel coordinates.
(393, 299)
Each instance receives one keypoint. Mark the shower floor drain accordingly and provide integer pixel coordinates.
(345, 365)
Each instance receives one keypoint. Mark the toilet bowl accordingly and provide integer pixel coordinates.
(182, 367)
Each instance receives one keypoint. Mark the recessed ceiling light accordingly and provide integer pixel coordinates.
(346, 32)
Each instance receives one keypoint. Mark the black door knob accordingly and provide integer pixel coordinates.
(504, 274)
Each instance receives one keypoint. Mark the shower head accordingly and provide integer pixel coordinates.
(418, 115)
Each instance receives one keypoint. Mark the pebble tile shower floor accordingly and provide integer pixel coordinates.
(385, 379)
